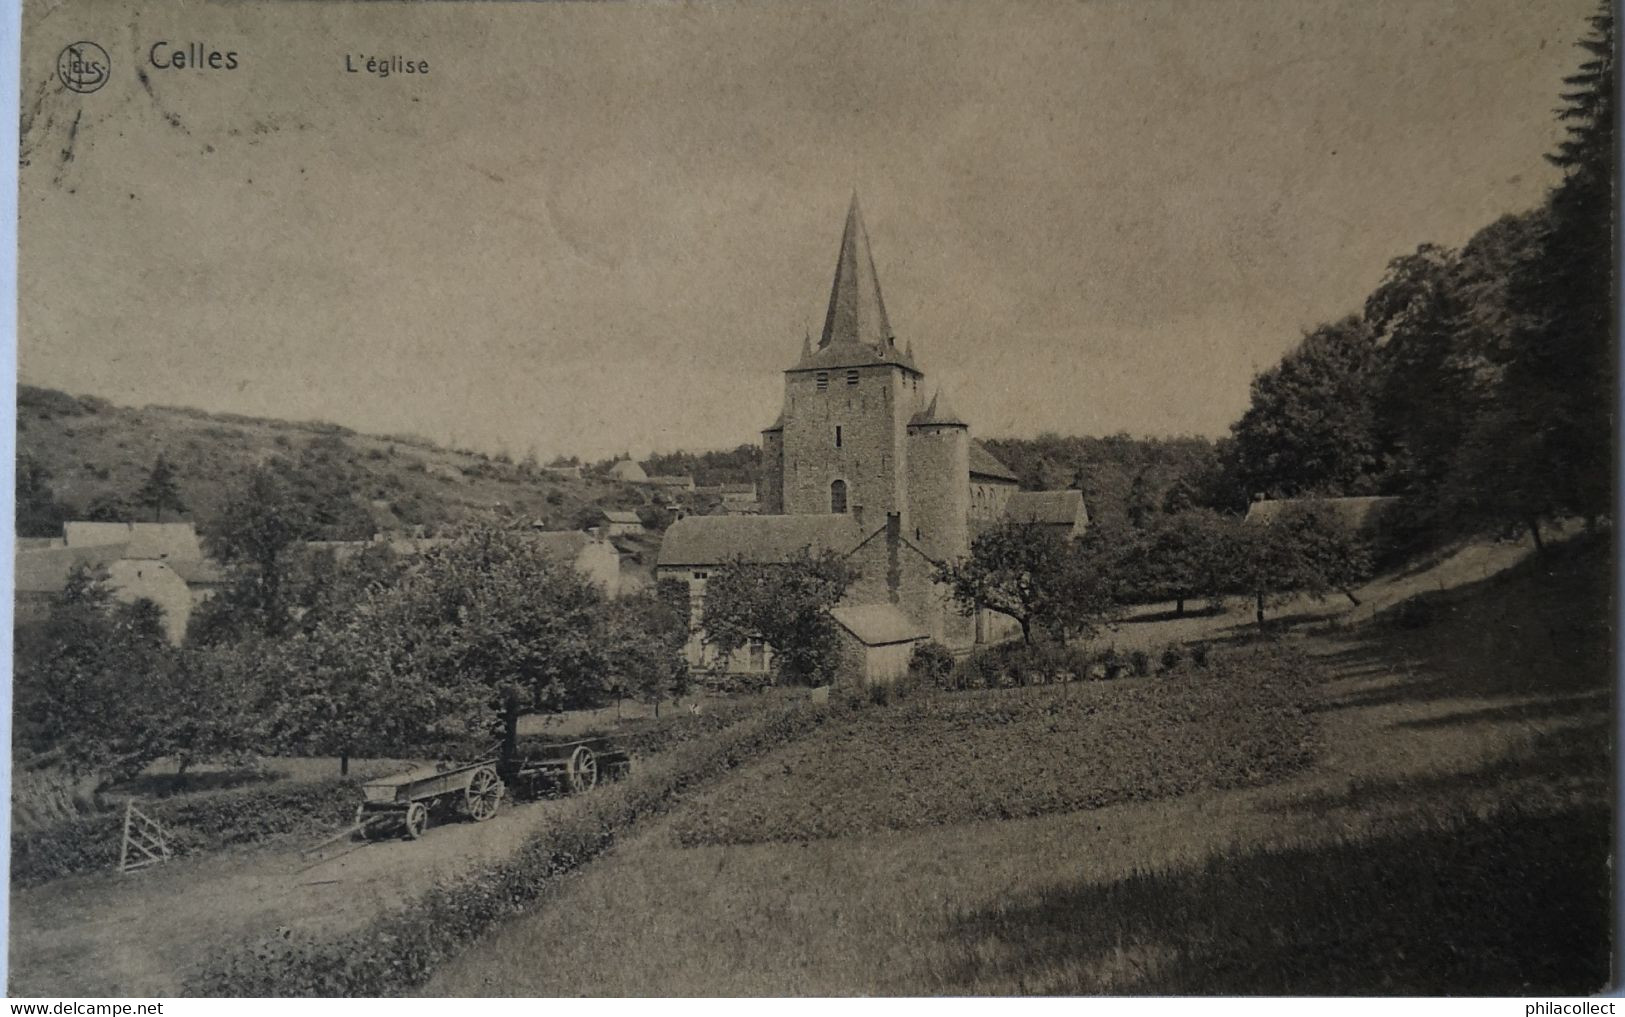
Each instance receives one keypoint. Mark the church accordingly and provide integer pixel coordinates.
(869, 462)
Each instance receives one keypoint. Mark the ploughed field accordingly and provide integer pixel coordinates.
(953, 757)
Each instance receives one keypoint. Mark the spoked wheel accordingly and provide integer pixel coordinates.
(363, 819)
(417, 820)
(484, 794)
(583, 769)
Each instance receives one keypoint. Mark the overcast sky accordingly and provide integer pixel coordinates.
(597, 228)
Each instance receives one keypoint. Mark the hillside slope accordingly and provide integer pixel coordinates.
(96, 456)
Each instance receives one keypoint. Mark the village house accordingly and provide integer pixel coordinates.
(160, 562)
(1357, 513)
(1060, 512)
(627, 471)
(865, 461)
(620, 523)
(42, 573)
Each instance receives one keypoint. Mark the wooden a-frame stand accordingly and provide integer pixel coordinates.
(144, 842)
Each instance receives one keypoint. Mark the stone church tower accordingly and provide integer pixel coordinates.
(862, 461)
(841, 442)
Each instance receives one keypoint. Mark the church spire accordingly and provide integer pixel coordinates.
(857, 313)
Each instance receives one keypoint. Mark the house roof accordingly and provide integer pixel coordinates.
(39, 543)
(877, 624)
(856, 330)
(566, 544)
(622, 516)
(1354, 513)
(672, 481)
(985, 464)
(143, 540)
(712, 540)
(45, 570)
(1061, 508)
(626, 469)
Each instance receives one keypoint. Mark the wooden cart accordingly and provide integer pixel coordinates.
(566, 767)
(408, 799)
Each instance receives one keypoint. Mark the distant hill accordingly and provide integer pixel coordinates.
(85, 458)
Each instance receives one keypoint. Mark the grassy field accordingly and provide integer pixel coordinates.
(1452, 836)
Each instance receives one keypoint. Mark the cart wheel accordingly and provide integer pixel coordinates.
(361, 821)
(583, 769)
(484, 794)
(417, 820)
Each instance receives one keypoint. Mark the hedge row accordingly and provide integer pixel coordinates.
(192, 823)
(400, 950)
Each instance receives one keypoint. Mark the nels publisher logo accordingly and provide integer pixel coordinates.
(83, 66)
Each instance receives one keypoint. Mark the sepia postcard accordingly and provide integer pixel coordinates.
(847, 498)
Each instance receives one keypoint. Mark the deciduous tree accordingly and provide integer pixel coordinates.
(783, 603)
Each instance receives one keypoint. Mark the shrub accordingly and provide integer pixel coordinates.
(1199, 654)
(1114, 663)
(1057, 662)
(933, 663)
(1172, 657)
(1140, 661)
(880, 693)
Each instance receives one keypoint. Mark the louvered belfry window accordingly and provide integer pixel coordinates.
(823, 381)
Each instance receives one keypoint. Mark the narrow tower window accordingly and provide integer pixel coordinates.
(837, 435)
(837, 496)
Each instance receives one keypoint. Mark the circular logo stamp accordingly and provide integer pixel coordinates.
(83, 66)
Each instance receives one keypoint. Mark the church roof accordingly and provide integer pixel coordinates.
(986, 464)
(712, 540)
(1063, 508)
(856, 330)
(877, 624)
(938, 413)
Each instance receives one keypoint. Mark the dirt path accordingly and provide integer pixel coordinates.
(110, 935)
